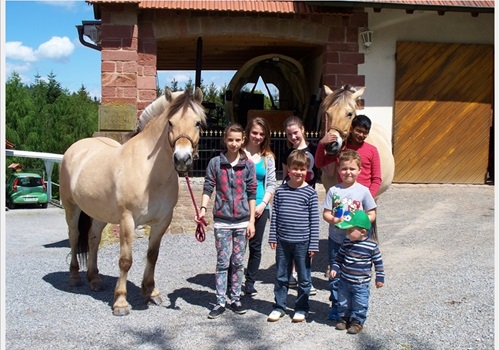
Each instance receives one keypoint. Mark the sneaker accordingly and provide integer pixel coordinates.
(355, 327)
(292, 282)
(250, 290)
(275, 315)
(341, 325)
(299, 316)
(313, 291)
(216, 312)
(237, 308)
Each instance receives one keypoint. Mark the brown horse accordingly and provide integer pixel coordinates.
(340, 108)
(102, 181)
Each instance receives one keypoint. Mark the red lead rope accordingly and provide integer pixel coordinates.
(200, 229)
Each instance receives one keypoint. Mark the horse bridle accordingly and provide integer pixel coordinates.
(185, 136)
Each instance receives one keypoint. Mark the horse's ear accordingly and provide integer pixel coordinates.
(328, 91)
(198, 95)
(168, 94)
(358, 93)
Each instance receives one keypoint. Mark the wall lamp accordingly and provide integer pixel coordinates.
(367, 37)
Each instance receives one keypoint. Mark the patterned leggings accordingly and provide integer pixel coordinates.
(230, 245)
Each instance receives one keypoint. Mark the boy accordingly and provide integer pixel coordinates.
(354, 262)
(294, 234)
(342, 199)
(371, 175)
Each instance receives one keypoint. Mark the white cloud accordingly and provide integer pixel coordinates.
(19, 68)
(57, 49)
(17, 51)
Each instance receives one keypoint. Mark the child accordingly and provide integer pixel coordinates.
(294, 130)
(370, 175)
(294, 234)
(354, 263)
(257, 149)
(342, 199)
(295, 135)
(233, 177)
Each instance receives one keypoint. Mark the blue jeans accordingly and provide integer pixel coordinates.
(353, 300)
(286, 255)
(333, 249)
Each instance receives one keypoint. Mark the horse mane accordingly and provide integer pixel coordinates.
(342, 97)
(158, 107)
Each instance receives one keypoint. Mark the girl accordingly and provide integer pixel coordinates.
(257, 149)
(294, 130)
(232, 176)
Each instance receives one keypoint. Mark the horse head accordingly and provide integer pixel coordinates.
(186, 118)
(340, 108)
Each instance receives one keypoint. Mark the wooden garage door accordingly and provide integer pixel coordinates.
(442, 112)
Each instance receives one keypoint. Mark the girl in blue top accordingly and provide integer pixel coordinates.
(257, 149)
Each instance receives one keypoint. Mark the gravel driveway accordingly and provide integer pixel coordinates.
(438, 248)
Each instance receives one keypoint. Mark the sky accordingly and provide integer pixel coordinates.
(41, 38)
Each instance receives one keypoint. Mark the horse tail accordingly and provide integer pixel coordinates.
(82, 248)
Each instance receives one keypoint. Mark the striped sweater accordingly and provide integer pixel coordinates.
(295, 216)
(354, 261)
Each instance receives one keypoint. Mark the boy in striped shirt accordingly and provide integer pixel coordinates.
(354, 263)
(294, 234)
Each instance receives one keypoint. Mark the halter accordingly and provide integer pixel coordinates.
(185, 136)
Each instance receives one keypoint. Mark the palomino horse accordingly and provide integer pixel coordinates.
(102, 181)
(340, 108)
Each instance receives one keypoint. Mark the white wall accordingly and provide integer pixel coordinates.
(390, 26)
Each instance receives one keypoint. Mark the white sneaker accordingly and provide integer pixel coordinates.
(300, 316)
(313, 291)
(275, 315)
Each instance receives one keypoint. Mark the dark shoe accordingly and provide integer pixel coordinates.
(355, 327)
(216, 312)
(341, 324)
(238, 308)
(250, 290)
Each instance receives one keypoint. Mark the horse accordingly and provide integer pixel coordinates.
(131, 184)
(340, 108)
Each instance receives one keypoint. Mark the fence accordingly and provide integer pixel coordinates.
(210, 145)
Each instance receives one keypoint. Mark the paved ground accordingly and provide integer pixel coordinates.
(438, 245)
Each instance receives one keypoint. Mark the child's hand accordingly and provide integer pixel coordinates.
(311, 254)
(250, 231)
(199, 219)
(273, 245)
(333, 273)
(328, 138)
(379, 284)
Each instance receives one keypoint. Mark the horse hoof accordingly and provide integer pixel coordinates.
(75, 283)
(155, 301)
(97, 286)
(121, 311)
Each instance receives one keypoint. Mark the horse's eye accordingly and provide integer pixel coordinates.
(199, 124)
(349, 115)
(170, 125)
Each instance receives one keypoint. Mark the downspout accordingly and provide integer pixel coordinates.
(81, 33)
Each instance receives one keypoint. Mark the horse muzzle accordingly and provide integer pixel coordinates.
(333, 148)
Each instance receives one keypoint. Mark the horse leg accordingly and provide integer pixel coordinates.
(127, 226)
(72, 216)
(92, 270)
(150, 293)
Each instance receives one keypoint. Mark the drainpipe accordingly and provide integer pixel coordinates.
(199, 55)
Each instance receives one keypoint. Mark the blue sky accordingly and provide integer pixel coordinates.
(41, 37)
